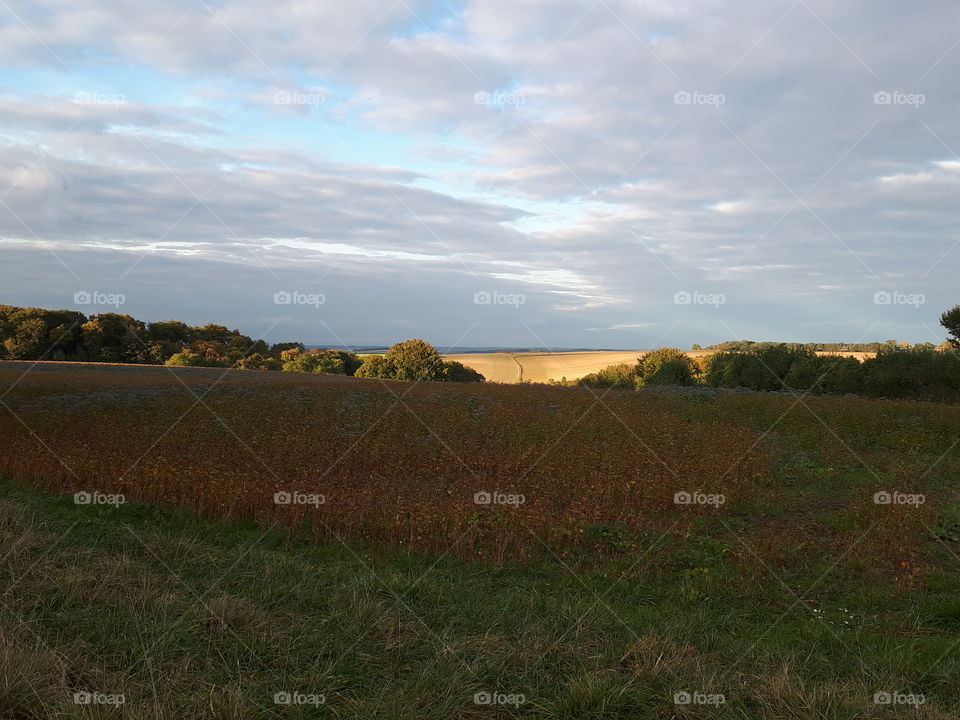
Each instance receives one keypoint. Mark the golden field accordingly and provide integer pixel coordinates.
(508, 367)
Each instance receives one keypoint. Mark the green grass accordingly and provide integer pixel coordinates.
(191, 618)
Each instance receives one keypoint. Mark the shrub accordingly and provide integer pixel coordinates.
(666, 366)
(616, 376)
(325, 362)
(916, 373)
(827, 374)
(458, 372)
(375, 366)
(765, 368)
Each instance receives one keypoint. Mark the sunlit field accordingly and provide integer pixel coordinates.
(539, 367)
(202, 541)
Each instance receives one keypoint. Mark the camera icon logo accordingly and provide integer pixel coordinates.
(482, 298)
(682, 698)
(482, 498)
(82, 298)
(482, 698)
(882, 298)
(683, 97)
(82, 498)
(282, 298)
(884, 97)
(882, 498)
(682, 298)
(682, 498)
(282, 498)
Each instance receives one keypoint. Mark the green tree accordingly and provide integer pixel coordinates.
(322, 363)
(458, 372)
(112, 337)
(951, 321)
(622, 375)
(415, 360)
(666, 366)
(375, 366)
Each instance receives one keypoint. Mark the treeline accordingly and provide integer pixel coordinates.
(920, 372)
(873, 347)
(67, 335)
(895, 372)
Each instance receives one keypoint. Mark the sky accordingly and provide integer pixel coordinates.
(575, 173)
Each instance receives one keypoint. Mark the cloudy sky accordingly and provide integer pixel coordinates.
(571, 173)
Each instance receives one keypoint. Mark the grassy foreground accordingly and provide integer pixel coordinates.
(182, 617)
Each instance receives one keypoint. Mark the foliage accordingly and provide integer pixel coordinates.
(622, 375)
(951, 321)
(666, 366)
(415, 360)
(458, 372)
(322, 362)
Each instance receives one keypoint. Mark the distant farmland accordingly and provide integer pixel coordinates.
(508, 367)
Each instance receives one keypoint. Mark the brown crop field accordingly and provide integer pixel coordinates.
(394, 463)
(397, 463)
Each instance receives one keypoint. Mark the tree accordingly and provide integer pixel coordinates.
(414, 360)
(277, 348)
(951, 321)
(257, 361)
(324, 362)
(112, 337)
(375, 366)
(622, 375)
(666, 366)
(458, 372)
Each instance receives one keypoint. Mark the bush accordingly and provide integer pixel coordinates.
(678, 371)
(256, 361)
(454, 371)
(615, 376)
(325, 362)
(765, 368)
(826, 374)
(375, 366)
(916, 373)
(666, 366)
